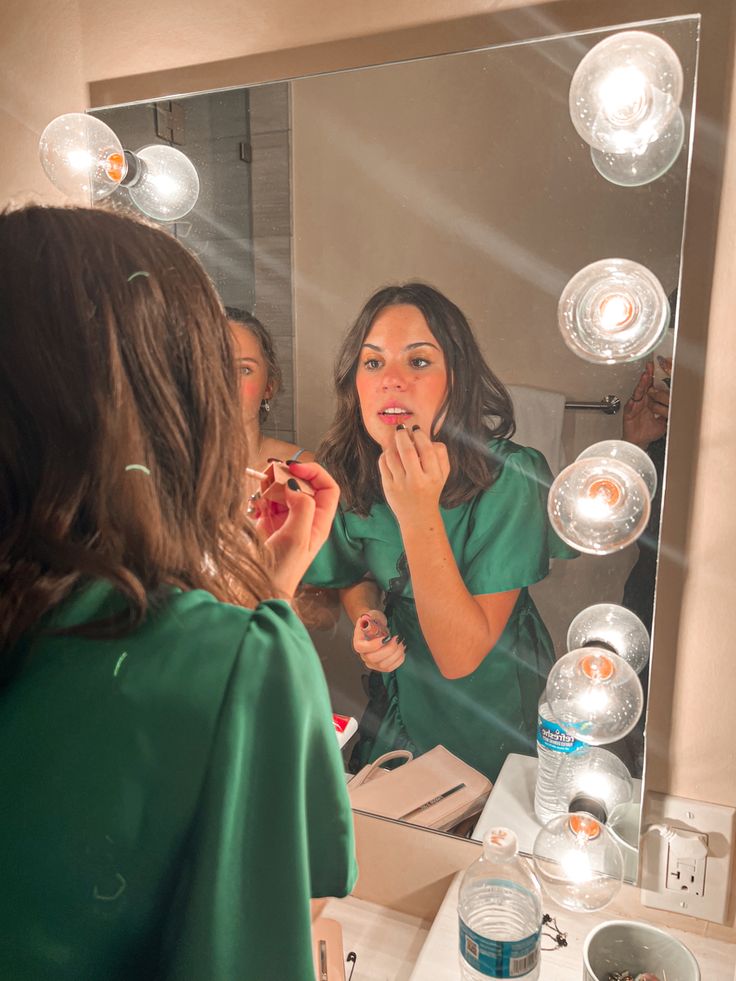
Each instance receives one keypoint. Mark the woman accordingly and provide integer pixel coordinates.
(172, 789)
(449, 517)
(259, 376)
(260, 379)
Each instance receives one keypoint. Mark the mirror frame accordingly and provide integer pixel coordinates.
(512, 21)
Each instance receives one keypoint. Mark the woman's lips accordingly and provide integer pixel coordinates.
(394, 418)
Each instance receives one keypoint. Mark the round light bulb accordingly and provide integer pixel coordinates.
(598, 505)
(625, 92)
(166, 186)
(579, 864)
(594, 780)
(625, 452)
(82, 156)
(613, 627)
(641, 166)
(594, 695)
(613, 311)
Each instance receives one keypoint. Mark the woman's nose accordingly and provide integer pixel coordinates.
(394, 379)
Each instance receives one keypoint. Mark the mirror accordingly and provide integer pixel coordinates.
(463, 171)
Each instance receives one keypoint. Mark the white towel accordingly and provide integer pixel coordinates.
(539, 418)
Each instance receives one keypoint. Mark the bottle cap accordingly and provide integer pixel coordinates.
(500, 843)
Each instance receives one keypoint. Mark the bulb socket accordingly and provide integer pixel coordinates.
(136, 168)
(590, 805)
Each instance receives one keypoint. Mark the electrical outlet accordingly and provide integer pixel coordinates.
(688, 871)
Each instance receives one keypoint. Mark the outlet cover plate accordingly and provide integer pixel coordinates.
(714, 820)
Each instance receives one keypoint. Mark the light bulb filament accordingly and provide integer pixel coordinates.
(115, 167)
(625, 96)
(616, 311)
(597, 667)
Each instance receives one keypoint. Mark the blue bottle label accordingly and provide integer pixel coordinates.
(499, 958)
(552, 736)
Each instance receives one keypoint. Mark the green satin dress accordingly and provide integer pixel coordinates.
(170, 800)
(501, 540)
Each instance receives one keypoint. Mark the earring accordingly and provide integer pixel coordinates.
(266, 405)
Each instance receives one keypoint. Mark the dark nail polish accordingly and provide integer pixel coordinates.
(400, 426)
(414, 428)
(386, 639)
(287, 462)
(292, 484)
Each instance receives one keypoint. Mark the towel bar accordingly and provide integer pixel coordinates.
(609, 405)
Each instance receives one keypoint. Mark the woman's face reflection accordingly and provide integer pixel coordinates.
(252, 372)
(401, 375)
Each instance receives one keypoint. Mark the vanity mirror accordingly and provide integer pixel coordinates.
(463, 171)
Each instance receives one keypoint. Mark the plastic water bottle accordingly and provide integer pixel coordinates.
(553, 746)
(500, 913)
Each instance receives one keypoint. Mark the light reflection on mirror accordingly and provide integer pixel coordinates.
(463, 171)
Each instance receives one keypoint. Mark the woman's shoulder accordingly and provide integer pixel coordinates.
(524, 459)
(198, 614)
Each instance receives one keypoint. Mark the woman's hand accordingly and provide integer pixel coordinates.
(413, 472)
(382, 653)
(645, 414)
(295, 531)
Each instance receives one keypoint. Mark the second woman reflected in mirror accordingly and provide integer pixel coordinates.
(441, 530)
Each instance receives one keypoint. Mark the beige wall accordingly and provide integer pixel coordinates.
(693, 723)
(40, 77)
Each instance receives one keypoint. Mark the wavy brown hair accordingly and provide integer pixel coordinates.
(477, 406)
(115, 359)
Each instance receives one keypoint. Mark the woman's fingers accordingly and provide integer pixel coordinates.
(390, 657)
(326, 497)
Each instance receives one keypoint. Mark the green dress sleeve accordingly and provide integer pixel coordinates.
(510, 541)
(340, 562)
(273, 827)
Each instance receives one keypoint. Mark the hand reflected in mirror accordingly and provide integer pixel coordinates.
(374, 645)
(645, 414)
(414, 471)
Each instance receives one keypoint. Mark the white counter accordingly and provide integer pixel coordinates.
(438, 960)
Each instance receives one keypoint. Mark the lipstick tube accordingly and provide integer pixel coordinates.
(372, 628)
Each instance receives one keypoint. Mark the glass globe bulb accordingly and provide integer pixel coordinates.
(167, 185)
(613, 311)
(636, 167)
(82, 156)
(625, 92)
(594, 695)
(594, 780)
(625, 452)
(598, 505)
(578, 862)
(613, 627)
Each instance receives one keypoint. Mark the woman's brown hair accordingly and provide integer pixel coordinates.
(477, 407)
(121, 447)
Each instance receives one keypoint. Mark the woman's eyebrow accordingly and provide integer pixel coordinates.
(254, 360)
(409, 347)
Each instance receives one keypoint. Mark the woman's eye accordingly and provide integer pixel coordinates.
(245, 369)
(371, 364)
(419, 362)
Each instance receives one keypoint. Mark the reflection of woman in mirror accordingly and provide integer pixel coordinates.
(449, 517)
(260, 379)
(165, 735)
(259, 375)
